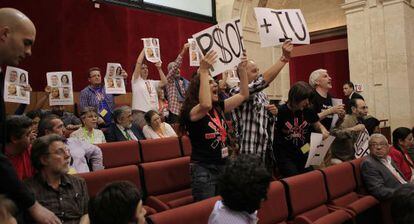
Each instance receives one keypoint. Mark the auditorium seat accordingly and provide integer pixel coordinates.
(198, 212)
(116, 154)
(274, 209)
(160, 149)
(186, 145)
(308, 200)
(341, 185)
(167, 183)
(97, 180)
(356, 165)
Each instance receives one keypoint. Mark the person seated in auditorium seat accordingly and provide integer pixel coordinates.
(88, 131)
(7, 211)
(119, 202)
(347, 131)
(402, 140)
(81, 152)
(123, 128)
(243, 186)
(63, 194)
(18, 144)
(379, 173)
(155, 128)
(402, 205)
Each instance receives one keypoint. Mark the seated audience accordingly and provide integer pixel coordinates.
(65, 195)
(295, 121)
(81, 152)
(119, 202)
(18, 144)
(155, 128)
(8, 211)
(402, 205)
(402, 140)
(243, 186)
(162, 105)
(123, 128)
(88, 131)
(144, 90)
(379, 173)
(372, 124)
(70, 121)
(202, 116)
(347, 131)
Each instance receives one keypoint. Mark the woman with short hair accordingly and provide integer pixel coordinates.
(88, 132)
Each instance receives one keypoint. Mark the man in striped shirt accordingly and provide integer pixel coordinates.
(254, 123)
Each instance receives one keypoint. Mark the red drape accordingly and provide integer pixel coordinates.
(72, 35)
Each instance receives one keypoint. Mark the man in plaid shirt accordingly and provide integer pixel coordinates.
(176, 86)
(255, 119)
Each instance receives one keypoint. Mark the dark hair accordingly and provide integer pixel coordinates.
(244, 183)
(34, 113)
(93, 69)
(67, 78)
(85, 111)
(46, 124)
(7, 207)
(399, 134)
(191, 99)
(350, 84)
(149, 115)
(117, 113)
(16, 126)
(116, 203)
(298, 92)
(118, 70)
(353, 102)
(402, 205)
(40, 147)
(370, 124)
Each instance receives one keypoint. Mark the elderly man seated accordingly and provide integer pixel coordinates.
(123, 129)
(63, 194)
(379, 173)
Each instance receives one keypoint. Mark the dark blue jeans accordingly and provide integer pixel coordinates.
(204, 180)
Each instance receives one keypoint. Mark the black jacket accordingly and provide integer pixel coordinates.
(113, 134)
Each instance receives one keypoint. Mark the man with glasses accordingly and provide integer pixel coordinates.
(65, 195)
(347, 131)
(379, 173)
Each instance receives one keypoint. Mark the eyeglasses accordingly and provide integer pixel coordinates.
(376, 145)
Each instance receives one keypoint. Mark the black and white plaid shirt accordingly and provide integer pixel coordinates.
(253, 123)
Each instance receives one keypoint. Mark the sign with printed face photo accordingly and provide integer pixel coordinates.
(61, 88)
(16, 84)
(152, 49)
(114, 81)
(194, 53)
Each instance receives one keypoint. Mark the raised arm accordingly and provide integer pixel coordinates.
(173, 72)
(204, 95)
(163, 79)
(138, 65)
(236, 100)
(271, 73)
(319, 127)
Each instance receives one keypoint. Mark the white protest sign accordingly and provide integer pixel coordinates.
(152, 49)
(114, 82)
(275, 26)
(335, 102)
(318, 149)
(226, 40)
(61, 92)
(361, 144)
(194, 53)
(14, 86)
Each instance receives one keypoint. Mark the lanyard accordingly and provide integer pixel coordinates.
(91, 138)
(148, 84)
(217, 122)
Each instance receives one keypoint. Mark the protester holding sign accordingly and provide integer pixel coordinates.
(144, 91)
(202, 115)
(254, 122)
(294, 122)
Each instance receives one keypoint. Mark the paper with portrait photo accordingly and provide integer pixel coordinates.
(114, 81)
(61, 88)
(194, 53)
(152, 49)
(14, 86)
(318, 149)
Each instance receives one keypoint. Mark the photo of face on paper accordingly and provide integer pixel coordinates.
(111, 71)
(155, 42)
(54, 93)
(22, 79)
(54, 80)
(149, 52)
(110, 83)
(15, 82)
(147, 42)
(66, 92)
(12, 89)
(119, 83)
(13, 76)
(22, 92)
(61, 88)
(64, 79)
(157, 53)
(193, 45)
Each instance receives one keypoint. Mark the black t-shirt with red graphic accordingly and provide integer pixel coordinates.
(294, 129)
(205, 136)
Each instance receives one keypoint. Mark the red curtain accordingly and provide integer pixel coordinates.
(72, 35)
(335, 62)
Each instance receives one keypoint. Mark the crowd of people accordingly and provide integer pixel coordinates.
(238, 137)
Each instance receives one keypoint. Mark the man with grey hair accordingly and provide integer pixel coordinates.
(176, 87)
(379, 173)
(123, 128)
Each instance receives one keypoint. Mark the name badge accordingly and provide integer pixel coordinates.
(224, 152)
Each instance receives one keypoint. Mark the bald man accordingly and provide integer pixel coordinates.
(17, 36)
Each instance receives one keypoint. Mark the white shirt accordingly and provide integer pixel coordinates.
(387, 163)
(122, 129)
(223, 215)
(144, 94)
(151, 134)
(97, 137)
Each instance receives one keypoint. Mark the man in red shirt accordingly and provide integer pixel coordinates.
(18, 146)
